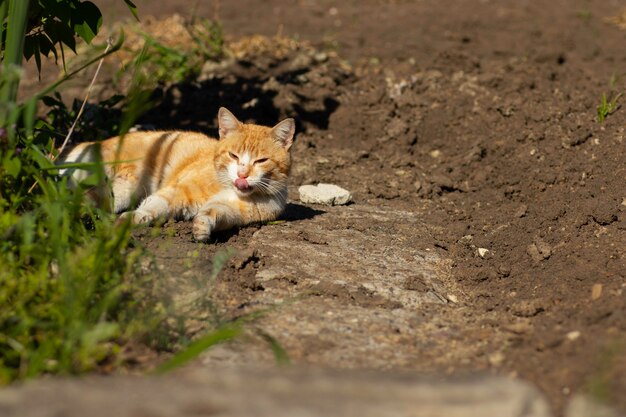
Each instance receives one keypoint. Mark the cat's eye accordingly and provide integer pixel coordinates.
(232, 155)
(260, 160)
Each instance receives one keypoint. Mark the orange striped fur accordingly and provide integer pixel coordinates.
(239, 179)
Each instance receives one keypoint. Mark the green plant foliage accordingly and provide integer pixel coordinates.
(132, 8)
(71, 289)
(99, 120)
(209, 38)
(195, 348)
(72, 292)
(15, 13)
(607, 106)
(69, 285)
(161, 64)
(52, 25)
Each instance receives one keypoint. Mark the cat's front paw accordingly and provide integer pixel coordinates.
(137, 217)
(202, 226)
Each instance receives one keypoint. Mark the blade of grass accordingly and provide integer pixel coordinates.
(280, 355)
(14, 45)
(16, 28)
(221, 335)
(86, 165)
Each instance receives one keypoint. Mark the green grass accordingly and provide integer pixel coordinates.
(222, 334)
(607, 106)
(163, 64)
(70, 288)
(71, 291)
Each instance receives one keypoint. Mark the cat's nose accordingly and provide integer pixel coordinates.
(242, 173)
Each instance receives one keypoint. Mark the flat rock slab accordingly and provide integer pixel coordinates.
(348, 293)
(389, 264)
(327, 194)
(294, 392)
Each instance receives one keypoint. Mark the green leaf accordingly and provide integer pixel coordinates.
(132, 8)
(99, 333)
(12, 166)
(29, 47)
(91, 181)
(60, 32)
(39, 158)
(37, 53)
(61, 9)
(86, 20)
(50, 102)
(45, 46)
(112, 101)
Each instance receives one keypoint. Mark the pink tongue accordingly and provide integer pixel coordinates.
(242, 184)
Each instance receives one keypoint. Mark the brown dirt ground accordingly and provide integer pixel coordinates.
(457, 126)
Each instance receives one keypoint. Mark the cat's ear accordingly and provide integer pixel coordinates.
(227, 122)
(283, 132)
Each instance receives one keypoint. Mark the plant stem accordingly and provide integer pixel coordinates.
(16, 28)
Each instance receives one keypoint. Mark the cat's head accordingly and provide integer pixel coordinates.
(253, 159)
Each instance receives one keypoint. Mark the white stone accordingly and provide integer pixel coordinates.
(573, 335)
(328, 194)
(482, 252)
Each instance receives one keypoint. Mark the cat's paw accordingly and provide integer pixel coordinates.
(137, 217)
(202, 226)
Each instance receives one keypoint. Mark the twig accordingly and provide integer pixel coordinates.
(80, 111)
(82, 107)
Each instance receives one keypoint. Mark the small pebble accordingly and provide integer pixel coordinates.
(320, 57)
(496, 359)
(504, 270)
(539, 251)
(520, 327)
(483, 252)
(466, 239)
(596, 291)
(521, 211)
(573, 335)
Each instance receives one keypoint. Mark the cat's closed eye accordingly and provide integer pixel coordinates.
(232, 155)
(260, 160)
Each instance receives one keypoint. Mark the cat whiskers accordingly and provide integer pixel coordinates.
(270, 187)
(224, 179)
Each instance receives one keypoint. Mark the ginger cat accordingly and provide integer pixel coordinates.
(236, 180)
